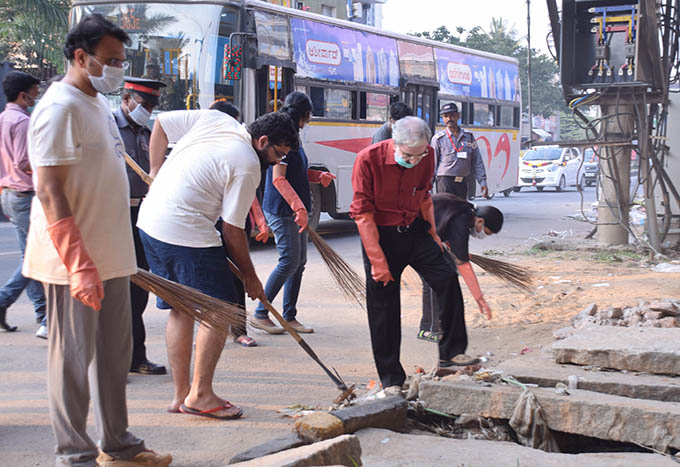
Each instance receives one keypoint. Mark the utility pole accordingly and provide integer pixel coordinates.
(531, 122)
(614, 200)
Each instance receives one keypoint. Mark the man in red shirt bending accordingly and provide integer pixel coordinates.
(394, 213)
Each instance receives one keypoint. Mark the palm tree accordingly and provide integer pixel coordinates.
(32, 32)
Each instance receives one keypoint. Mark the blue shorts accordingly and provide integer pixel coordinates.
(204, 269)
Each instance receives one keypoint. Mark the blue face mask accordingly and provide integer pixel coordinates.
(400, 160)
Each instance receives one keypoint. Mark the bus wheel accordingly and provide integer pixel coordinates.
(315, 212)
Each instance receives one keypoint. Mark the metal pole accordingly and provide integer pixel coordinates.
(531, 123)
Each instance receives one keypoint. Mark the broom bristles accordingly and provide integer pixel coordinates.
(204, 309)
(350, 283)
(513, 275)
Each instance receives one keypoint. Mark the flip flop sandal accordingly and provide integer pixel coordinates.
(245, 341)
(429, 336)
(210, 413)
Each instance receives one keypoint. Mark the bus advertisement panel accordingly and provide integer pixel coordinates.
(462, 74)
(338, 54)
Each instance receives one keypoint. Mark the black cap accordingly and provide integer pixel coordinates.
(148, 89)
(447, 108)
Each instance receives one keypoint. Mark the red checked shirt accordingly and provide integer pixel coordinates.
(391, 192)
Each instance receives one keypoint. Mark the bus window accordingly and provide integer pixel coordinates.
(338, 104)
(483, 115)
(507, 115)
(317, 97)
(515, 117)
(377, 106)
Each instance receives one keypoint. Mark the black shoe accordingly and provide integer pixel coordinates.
(148, 368)
(3, 323)
(459, 360)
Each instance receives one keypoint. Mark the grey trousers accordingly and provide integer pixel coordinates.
(89, 354)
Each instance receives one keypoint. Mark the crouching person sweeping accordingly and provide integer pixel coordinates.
(211, 173)
(394, 213)
(457, 221)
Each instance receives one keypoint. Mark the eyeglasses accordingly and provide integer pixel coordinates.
(114, 62)
(412, 157)
(279, 154)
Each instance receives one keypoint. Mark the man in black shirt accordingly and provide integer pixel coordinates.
(456, 221)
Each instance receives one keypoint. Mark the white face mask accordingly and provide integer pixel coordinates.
(480, 235)
(140, 115)
(110, 80)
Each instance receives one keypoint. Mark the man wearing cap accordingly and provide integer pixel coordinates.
(456, 156)
(139, 98)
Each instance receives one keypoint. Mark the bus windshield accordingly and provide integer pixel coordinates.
(543, 154)
(181, 45)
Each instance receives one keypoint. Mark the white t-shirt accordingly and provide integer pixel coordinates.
(212, 172)
(68, 127)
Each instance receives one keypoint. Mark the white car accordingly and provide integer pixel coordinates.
(551, 166)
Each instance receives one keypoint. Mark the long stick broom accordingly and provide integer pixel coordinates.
(204, 309)
(335, 377)
(349, 282)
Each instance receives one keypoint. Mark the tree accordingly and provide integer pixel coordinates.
(32, 33)
(546, 95)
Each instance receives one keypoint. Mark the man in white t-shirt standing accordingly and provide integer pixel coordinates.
(211, 173)
(80, 246)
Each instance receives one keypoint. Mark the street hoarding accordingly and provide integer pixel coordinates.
(462, 74)
(328, 52)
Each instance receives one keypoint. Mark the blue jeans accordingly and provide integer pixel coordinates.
(17, 207)
(292, 247)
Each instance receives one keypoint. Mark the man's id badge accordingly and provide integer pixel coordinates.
(461, 154)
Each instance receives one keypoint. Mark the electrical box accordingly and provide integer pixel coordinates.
(609, 44)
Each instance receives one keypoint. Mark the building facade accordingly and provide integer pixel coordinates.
(366, 11)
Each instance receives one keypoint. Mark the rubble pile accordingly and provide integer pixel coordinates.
(658, 314)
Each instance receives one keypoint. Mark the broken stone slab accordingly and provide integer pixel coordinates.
(389, 449)
(587, 413)
(318, 426)
(387, 413)
(541, 370)
(650, 350)
(290, 441)
(342, 450)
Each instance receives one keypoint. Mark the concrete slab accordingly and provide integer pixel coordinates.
(651, 350)
(290, 441)
(386, 448)
(542, 370)
(603, 416)
(387, 413)
(342, 450)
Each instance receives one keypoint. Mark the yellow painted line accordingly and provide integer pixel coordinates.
(366, 125)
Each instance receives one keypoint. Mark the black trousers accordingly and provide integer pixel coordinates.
(415, 248)
(138, 296)
(447, 184)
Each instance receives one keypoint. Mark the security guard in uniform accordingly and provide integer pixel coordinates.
(457, 156)
(139, 98)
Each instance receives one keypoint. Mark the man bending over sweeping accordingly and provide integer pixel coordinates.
(457, 221)
(394, 213)
(211, 173)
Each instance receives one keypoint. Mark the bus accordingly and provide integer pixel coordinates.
(253, 53)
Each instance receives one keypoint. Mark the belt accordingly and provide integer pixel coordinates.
(455, 179)
(135, 202)
(27, 192)
(396, 228)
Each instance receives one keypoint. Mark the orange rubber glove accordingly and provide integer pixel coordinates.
(319, 176)
(370, 238)
(293, 201)
(86, 284)
(257, 218)
(427, 211)
(465, 270)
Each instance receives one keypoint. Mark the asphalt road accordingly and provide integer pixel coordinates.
(261, 379)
